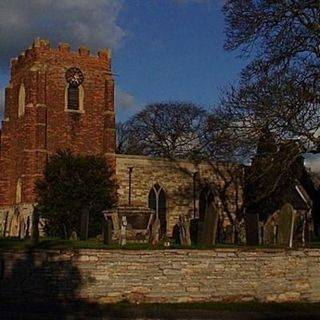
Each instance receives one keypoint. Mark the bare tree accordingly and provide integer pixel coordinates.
(278, 94)
(126, 143)
(281, 33)
(280, 88)
(171, 130)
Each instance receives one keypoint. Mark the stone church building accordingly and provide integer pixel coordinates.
(59, 99)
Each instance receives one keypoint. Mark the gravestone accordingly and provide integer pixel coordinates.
(285, 225)
(269, 232)
(241, 233)
(73, 236)
(210, 224)
(184, 228)
(155, 232)
(123, 238)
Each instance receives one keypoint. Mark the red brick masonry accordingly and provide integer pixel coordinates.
(46, 126)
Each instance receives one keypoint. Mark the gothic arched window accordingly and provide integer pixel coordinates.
(22, 100)
(74, 97)
(157, 202)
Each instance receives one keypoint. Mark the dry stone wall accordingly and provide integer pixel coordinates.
(106, 276)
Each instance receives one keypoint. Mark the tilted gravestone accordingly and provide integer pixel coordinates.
(155, 232)
(285, 225)
(210, 224)
(73, 236)
(184, 228)
(269, 234)
(242, 233)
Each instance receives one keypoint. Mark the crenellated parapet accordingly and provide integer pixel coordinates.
(42, 50)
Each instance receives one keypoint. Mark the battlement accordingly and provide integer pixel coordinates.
(41, 48)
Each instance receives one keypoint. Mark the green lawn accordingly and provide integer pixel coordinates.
(59, 244)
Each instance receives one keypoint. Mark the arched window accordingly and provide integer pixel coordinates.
(157, 202)
(74, 97)
(205, 198)
(19, 191)
(22, 101)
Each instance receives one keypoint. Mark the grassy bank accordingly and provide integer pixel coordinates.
(59, 244)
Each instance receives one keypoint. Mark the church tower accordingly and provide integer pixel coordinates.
(56, 99)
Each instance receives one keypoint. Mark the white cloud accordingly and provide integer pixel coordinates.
(92, 23)
(124, 100)
(79, 22)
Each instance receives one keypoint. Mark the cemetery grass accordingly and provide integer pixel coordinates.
(93, 243)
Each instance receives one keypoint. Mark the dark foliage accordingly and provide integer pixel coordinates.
(281, 34)
(279, 89)
(71, 185)
(273, 174)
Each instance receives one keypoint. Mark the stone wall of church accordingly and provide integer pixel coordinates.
(177, 180)
(104, 276)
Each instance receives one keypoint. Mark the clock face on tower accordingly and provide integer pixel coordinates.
(74, 76)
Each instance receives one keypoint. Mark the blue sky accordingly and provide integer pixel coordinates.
(162, 49)
(174, 51)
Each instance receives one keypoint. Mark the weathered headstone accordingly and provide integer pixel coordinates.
(285, 225)
(241, 233)
(176, 234)
(74, 236)
(155, 232)
(269, 232)
(210, 224)
(123, 236)
(184, 227)
(116, 225)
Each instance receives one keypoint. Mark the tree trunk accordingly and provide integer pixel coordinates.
(107, 231)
